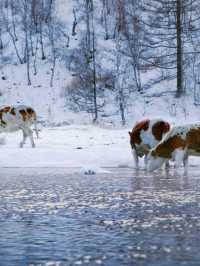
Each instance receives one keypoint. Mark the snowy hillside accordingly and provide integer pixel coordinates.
(63, 101)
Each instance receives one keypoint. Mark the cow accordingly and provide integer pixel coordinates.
(177, 145)
(145, 135)
(14, 118)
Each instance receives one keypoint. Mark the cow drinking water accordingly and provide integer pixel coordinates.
(145, 135)
(13, 118)
(178, 144)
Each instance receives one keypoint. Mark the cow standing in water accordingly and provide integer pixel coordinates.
(145, 135)
(14, 118)
(178, 144)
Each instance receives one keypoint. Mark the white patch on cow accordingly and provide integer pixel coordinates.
(180, 131)
(148, 141)
(147, 136)
(154, 163)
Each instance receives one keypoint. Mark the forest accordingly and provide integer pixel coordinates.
(114, 50)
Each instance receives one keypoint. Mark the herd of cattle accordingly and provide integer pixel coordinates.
(160, 143)
(154, 139)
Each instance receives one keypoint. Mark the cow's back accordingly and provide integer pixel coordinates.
(12, 118)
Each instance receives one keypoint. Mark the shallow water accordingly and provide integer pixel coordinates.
(56, 217)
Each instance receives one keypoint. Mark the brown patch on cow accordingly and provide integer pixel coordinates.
(191, 142)
(5, 109)
(28, 114)
(166, 148)
(135, 134)
(1, 118)
(23, 114)
(159, 129)
(2, 122)
(193, 139)
(12, 111)
(31, 113)
(1, 115)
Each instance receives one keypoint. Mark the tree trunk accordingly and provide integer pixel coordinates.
(27, 56)
(179, 50)
(94, 73)
(74, 23)
(1, 42)
(41, 41)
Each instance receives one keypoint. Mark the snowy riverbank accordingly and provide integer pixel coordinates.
(81, 147)
(70, 146)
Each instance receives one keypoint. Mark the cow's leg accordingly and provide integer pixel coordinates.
(135, 157)
(185, 162)
(167, 165)
(36, 129)
(179, 155)
(27, 132)
(24, 138)
(145, 160)
(30, 134)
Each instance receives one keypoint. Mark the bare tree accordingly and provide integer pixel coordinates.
(26, 32)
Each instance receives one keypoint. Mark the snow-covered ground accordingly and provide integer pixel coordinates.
(83, 147)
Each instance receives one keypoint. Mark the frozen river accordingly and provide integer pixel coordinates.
(57, 217)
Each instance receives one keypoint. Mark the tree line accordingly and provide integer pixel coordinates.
(119, 42)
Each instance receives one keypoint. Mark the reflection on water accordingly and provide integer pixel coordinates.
(122, 218)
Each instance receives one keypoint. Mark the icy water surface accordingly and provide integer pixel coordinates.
(54, 217)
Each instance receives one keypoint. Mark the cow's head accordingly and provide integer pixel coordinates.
(154, 160)
(135, 135)
(134, 145)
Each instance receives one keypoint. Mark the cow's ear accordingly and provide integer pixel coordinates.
(129, 133)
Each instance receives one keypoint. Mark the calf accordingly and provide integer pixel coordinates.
(13, 118)
(146, 135)
(178, 144)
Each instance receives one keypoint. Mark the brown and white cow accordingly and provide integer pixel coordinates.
(145, 135)
(178, 144)
(13, 118)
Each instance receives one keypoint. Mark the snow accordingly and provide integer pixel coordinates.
(80, 144)
(84, 149)
(88, 148)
